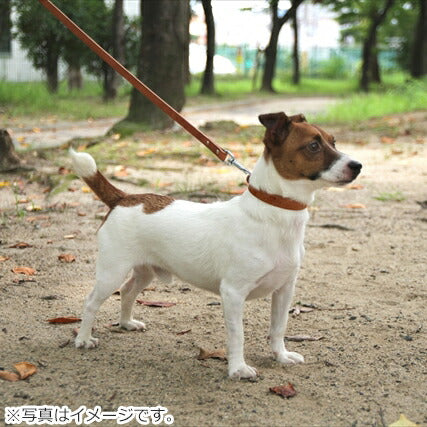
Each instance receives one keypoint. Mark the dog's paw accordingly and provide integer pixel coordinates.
(91, 342)
(289, 357)
(242, 371)
(133, 325)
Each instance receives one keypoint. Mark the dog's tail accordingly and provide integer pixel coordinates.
(85, 166)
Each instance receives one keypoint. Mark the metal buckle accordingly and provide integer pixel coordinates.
(231, 160)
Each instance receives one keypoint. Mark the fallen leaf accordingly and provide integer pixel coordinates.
(396, 151)
(355, 186)
(81, 213)
(4, 184)
(155, 303)
(184, 332)
(215, 354)
(355, 206)
(66, 258)
(28, 271)
(38, 217)
(36, 130)
(63, 320)
(402, 422)
(121, 172)
(116, 137)
(301, 338)
(33, 208)
(86, 189)
(69, 236)
(21, 245)
(4, 258)
(286, 390)
(387, 140)
(143, 153)
(25, 369)
(9, 376)
(63, 171)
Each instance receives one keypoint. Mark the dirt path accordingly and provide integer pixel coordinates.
(45, 133)
(363, 276)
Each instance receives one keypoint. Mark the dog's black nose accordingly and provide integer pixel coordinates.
(355, 166)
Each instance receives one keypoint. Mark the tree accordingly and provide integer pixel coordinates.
(118, 42)
(419, 46)
(208, 75)
(271, 49)
(295, 51)
(376, 19)
(47, 40)
(161, 61)
(5, 26)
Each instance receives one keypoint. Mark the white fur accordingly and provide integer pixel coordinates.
(240, 249)
(83, 163)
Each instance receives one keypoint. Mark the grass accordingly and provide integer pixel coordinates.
(395, 196)
(411, 96)
(394, 96)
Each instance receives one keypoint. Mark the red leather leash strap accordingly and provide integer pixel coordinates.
(134, 81)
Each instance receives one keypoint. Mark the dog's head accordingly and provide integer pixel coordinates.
(300, 150)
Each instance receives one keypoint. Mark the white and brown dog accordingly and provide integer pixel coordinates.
(247, 247)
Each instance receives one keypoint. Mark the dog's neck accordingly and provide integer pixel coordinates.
(265, 177)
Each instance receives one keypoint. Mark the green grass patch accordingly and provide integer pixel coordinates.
(395, 196)
(410, 96)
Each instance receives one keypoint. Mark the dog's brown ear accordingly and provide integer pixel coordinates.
(298, 118)
(272, 119)
(277, 127)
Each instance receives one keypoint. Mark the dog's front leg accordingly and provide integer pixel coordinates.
(233, 304)
(280, 304)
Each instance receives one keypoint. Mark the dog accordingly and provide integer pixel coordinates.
(248, 247)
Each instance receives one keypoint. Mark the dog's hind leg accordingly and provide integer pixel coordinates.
(109, 277)
(140, 279)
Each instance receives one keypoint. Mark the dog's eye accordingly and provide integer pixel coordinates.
(314, 146)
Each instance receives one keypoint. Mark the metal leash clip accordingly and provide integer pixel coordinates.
(231, 160)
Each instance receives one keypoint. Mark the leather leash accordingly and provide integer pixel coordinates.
(224, 155)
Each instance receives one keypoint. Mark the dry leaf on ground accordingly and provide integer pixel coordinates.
(9, 376)
(286, 390)
(25, 369)
(64, 320)
(215, 354)
(155, 303)
(21, 245)
(402, 422)
(28, 271)
(66, 258)
(4, 258)
(355, 206)
(184, 332)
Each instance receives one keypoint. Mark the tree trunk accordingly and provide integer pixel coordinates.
(160, 63)
(52, 70)
(375, 67)
(112, 80)
(270, 59)
(271, 49)
(419, 47)
(75, 79)
(9, 161)
(369, 43)
(295, 54)
(208, 75)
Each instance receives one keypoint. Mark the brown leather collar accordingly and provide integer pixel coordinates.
(276, 200)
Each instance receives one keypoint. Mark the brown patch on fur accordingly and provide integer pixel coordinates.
(103, 188)
(287, 141)
(152, 202)
(112, 196)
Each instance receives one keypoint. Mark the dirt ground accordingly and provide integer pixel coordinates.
(363, 278)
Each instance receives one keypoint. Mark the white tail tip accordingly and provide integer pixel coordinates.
(83, 163)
